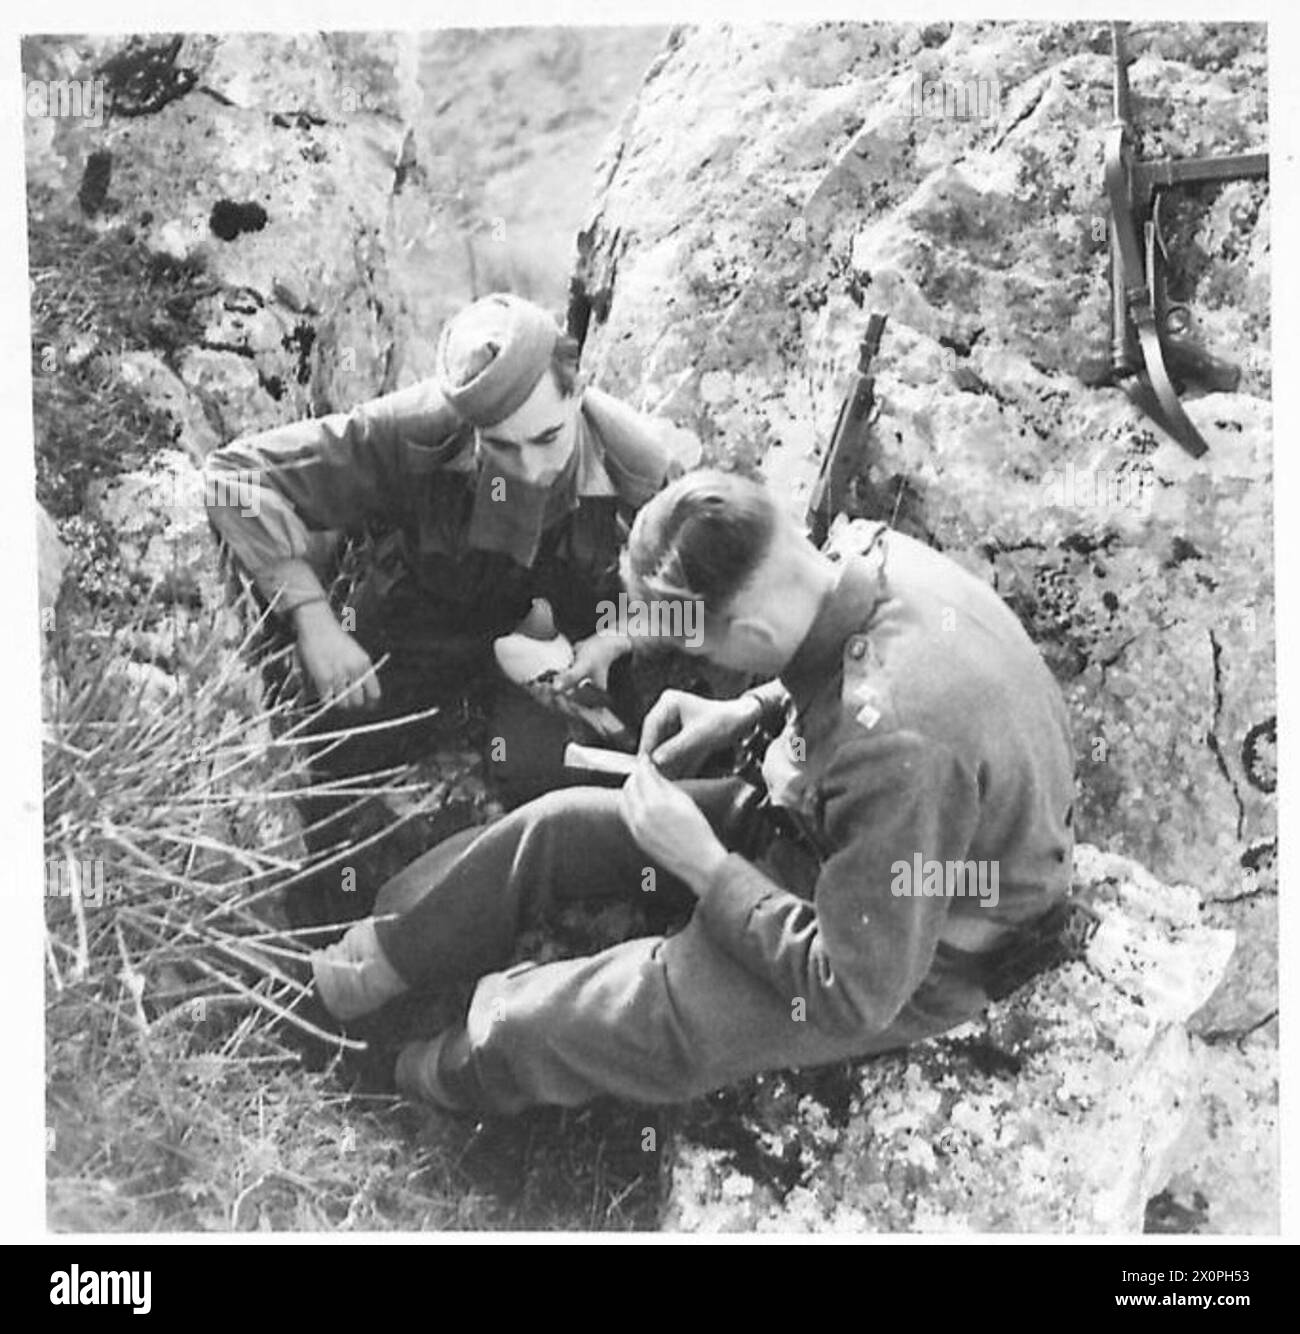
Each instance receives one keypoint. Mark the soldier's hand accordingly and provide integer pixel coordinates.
(669, 827)
(592, 659)
(339, 668)
(682, 730)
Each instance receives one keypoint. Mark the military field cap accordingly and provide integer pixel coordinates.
(492, 354)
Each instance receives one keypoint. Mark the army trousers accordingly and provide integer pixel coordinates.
(660, 1019)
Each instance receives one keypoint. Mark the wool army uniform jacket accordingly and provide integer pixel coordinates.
(405, 465)
(924, 729)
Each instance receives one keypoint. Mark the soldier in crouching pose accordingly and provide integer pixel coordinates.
(922, 730)
(496, 482)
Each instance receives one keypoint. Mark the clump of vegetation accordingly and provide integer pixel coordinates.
(190, 1085)
(169, 820)
(94, 295)
(171, 837)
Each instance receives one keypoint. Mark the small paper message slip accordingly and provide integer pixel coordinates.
(597, 760)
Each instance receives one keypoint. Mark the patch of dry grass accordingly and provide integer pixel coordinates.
(177, 1010)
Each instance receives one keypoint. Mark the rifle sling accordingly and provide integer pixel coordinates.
(1139, 281)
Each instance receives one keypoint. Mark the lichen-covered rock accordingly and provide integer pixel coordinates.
(773, 185)
(51, 564)
(52, 559)
(257, 174)
(1065, 1108)
(166, 392)
(158, 517)
(1248, 995)
(1227, 1180)
(264, 168)
(271, 166)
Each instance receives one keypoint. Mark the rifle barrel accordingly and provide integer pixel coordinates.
(870, 344)
(1121, 70)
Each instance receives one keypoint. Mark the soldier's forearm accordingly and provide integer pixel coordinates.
(291, 586)
(312, 614)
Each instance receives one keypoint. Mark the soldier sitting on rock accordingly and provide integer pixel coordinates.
(501, 491)
(922, 729)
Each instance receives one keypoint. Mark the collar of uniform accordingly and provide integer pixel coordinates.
(593, 479)
(844, 611)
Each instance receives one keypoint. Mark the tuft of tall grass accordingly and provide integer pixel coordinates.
(172, 831)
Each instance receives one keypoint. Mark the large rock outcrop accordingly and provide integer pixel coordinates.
(1067, 1107)
(770, 188)
(276, 171)
(270, 170)
(773, 185)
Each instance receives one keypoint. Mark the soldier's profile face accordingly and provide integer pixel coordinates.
(738, 644)
(538, 438)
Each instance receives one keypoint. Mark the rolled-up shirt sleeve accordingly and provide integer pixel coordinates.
(267, 493)
(857, 951)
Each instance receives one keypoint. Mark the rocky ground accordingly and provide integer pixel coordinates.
(303, 212)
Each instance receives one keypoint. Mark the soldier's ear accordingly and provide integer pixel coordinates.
(752, 638)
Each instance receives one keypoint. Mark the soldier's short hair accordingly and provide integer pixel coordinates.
(702, 537)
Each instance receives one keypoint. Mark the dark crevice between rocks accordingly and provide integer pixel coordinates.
(297, 120)
(778, 1173)
(408, 164)
(1180, 550)
(1030, 107)
(243, 300)
(1212, 738)
(970, 381)
(142, 78)
(215, 94)
(239, 349)
(991, 548)
(1165, 1214)
(577, 319)
(731, 1121)
(591, 293)
(963, 347)
(1111, 659)
(1261, 893)
(835, 1087)
(1219, 1036)
(986, 1056)
(301, 341)
(1088, 544)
